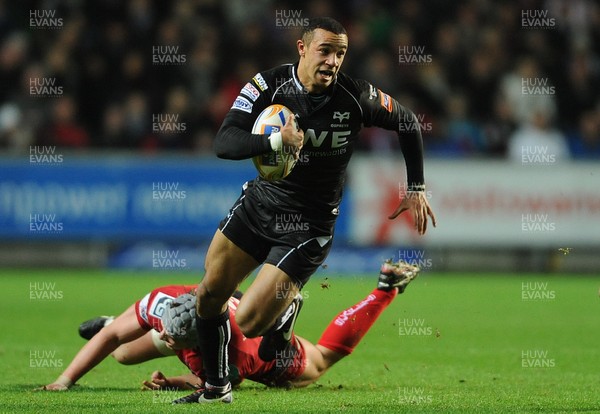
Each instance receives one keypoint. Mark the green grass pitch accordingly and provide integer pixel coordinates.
(453, 343)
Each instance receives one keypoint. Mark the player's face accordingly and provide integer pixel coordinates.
(321, 59)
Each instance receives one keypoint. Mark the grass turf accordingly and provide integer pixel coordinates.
(452, 343)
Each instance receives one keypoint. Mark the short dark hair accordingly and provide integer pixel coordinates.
(325, 23)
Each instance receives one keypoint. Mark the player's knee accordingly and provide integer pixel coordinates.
(122, 356)
(210, 302)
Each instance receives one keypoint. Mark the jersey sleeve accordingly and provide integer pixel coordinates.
(381, 110)
(235, 139)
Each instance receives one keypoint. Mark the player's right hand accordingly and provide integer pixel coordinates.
(291, 135)
(53, 387)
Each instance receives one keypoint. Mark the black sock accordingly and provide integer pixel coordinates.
(214, 335)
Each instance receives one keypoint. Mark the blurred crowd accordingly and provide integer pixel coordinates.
(485, 78)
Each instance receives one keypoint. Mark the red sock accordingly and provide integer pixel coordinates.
(349, 327)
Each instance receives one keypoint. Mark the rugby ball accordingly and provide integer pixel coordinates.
(273, 165)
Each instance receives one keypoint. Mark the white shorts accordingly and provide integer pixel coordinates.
(161, 346)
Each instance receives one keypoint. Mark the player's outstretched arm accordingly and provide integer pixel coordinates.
(383, 111)
(125, 328)
(411, 143)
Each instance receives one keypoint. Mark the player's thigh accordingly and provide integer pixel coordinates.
(269, 295)
(140, 350)
(300, 255)
(226, 267)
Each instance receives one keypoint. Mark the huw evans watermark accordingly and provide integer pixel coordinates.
(535, 155)
(288, 153)
(415, 257)
(536, 223)
(44, 291)
(537, 86)
(168, 259)
(537, 19)
(536, 358)
(45, 224)
(45, 87)
(413, 55)
(44, 358)
(166, 190)
(288, 358)
(168, 123)
(168, 55)
(413, 396)
(290, 19)
(44, 19)
(165, 395)
(416, 123)
(413, 327)
(45, 154)
(404, 189)
(536, 291)
(290, 222)
(286, 290)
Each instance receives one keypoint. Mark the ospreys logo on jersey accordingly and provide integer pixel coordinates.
(341, 115)
(372, 92)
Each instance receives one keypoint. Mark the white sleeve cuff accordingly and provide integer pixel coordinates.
(276, 140)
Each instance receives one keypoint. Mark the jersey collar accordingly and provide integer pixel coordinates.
(294, 73)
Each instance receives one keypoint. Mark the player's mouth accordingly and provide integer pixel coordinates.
(326, 75)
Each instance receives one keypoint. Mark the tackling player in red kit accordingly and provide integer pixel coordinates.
(163, 323)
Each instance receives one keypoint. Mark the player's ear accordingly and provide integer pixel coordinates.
(301, 47)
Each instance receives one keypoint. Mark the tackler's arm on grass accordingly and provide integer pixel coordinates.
(124, 329)
(158, 381)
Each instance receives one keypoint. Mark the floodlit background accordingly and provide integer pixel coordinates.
(108, 110)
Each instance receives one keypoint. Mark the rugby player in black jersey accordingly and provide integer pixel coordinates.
(330, 110)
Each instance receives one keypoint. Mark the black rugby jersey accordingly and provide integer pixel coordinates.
(331, 127)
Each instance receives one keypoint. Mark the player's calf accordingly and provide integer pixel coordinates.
(277, 339)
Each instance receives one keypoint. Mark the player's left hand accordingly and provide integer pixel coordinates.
(158, 381)
(416, 203)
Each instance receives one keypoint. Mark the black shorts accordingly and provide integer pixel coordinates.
(289, 240)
